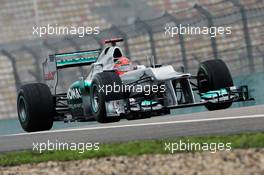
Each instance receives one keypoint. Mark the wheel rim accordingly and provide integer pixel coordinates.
(22, 112)
(95, 99)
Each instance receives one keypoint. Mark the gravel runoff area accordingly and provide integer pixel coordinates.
(247, 161)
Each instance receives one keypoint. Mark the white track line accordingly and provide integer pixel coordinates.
(142, 124)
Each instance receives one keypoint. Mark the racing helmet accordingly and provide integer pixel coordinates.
(122, 65)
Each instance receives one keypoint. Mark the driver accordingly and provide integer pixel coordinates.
(122, 65)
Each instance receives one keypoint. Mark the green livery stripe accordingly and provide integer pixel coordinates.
(76, 84)
(148, 103)
(86, 83)
(213, 94)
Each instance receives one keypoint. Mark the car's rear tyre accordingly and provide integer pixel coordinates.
(214, 75)
(99, 96)
(35, 107)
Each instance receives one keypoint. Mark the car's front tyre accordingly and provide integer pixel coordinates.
(214, 75)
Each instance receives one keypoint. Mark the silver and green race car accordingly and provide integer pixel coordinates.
(106, 96)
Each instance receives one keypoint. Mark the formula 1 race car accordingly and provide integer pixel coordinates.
(116, 89)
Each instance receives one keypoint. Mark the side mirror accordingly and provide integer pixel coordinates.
(181, 69)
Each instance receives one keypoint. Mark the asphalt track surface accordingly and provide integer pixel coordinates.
(230, 121)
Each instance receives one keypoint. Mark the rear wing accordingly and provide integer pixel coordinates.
(65, 60)
(75, 59)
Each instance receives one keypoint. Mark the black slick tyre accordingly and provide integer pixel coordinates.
(214, 75)
(35, 107)
(99, 97)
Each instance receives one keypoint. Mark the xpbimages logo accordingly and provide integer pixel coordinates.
(186, 145)
(59, 146)
(80, 31)
(172, 31)
(116, 88)
(146, 89)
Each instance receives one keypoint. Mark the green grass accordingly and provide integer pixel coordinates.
(130, 149)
